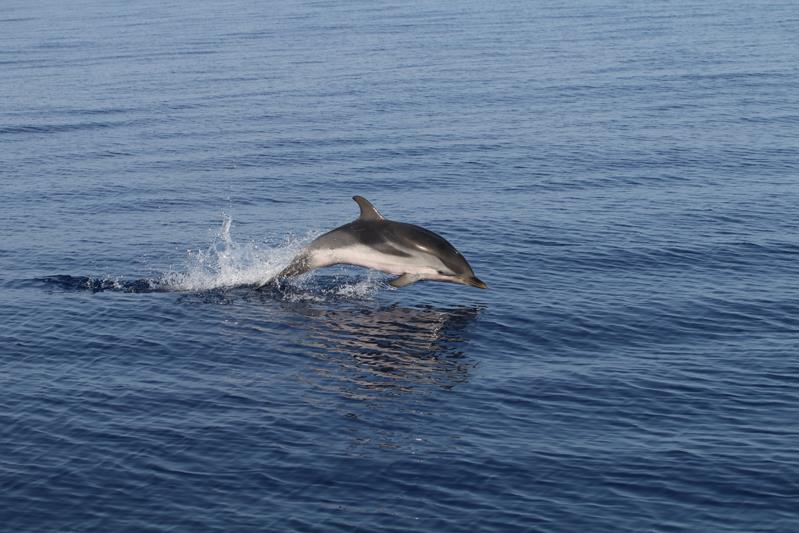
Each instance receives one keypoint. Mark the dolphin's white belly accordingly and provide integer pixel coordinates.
(416, 263)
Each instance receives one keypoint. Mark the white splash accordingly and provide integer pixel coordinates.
(363, 288)
(226, 264)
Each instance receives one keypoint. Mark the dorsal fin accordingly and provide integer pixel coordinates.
(368, 211)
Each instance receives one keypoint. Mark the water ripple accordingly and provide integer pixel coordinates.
(624, 179)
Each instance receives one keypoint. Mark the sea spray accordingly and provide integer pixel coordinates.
(226, 263)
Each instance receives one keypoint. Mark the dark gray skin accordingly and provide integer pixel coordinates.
(409, 251)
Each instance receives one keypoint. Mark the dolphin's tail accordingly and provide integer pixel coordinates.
(299, 265)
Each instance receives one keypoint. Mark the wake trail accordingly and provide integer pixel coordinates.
(226, 264)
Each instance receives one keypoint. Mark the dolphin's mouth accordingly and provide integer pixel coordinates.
(474, 282)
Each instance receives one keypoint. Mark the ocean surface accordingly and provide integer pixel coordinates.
(624, 176)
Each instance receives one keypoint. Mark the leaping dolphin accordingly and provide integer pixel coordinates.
(410, 252)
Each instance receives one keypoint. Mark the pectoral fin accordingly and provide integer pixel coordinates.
(403, 280)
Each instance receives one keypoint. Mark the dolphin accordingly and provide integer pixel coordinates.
(407, 251)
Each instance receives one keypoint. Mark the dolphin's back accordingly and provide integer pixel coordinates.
(411, 252)
(393, 238)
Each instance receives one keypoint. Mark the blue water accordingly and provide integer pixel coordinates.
(625, 177)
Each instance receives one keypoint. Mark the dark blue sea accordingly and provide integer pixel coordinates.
(624, 177)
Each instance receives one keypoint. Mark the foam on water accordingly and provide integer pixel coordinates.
(226, 263)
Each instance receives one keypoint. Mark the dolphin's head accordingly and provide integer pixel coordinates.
(458, 270)
(475, 282)
(449, 263)
(469, 279)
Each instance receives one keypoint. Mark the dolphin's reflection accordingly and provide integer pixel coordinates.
(366, 352)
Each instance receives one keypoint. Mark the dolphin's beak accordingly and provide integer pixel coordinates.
(474, 282)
